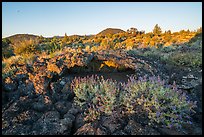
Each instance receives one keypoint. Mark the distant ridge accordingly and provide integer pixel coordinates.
(21, 37)
(110, 31)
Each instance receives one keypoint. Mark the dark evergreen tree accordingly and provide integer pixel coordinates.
(157, 30)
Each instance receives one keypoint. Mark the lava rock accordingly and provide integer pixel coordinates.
(134, 128)
(167, 131)
(73, 111)
(43, 104)
(21, 77)
(13, 95)
(10, 85)
(50, 124)
(68, 95)
(26, 89)
(62, 107)
(79, 122)
(68, 115)
(56, 87)
(120, 132)
(110, 124)
(18, 129)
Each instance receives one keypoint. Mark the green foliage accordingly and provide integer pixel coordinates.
(168, 49)
(28, 58)
(49, 47)
(7, 50)
(65, 39)
(95, 95)
(164, 104)
(25, 47)
(5, 42)
(151, 52)
(187, 59)
(53, 47)
(157, 30)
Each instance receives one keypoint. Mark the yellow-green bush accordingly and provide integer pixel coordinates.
(25, 47)
(188, 59)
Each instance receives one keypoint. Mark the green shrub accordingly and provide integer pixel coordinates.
(25, 47)
(95, 95)
(168, 49)
(165, 104)
(28, 58)
(151, 53)
(188, 59)
(7, 50)
(49, 47)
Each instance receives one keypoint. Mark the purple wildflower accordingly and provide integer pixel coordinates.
(158, 113)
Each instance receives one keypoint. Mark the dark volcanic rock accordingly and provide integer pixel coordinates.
(67, 93)
(10, 84)
(16, 107)
(4, 97)
(21, 77)
(134, 128)
(166, 131)
(73, 111)
(79, 122)
(43, 104)
(56, 87)
(18, 129)
(111, 124)
(13, 95)
(26, 89)
(18, 118)
(50, 124)
(62, 106)
(120, 132)
(40, 82)
(69, 115)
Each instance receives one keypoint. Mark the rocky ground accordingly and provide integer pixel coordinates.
(37, 99)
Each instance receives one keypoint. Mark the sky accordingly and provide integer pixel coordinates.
(84, 18)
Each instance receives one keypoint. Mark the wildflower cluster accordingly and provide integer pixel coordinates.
(95, 95)
(164, 104)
